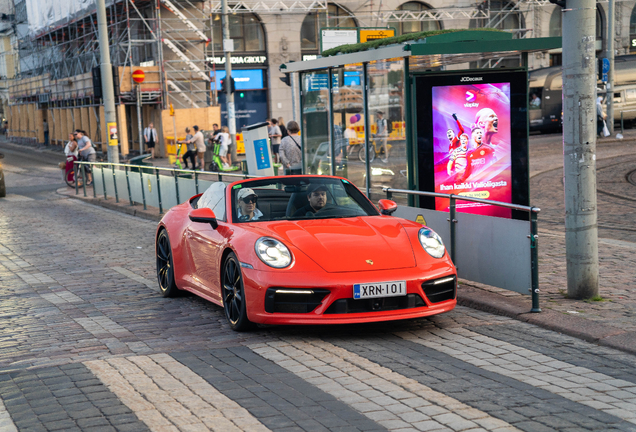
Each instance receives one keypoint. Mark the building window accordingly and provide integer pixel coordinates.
(310, 30)
(405, 27)
(556, 23)
(632, 31)
(245, 29)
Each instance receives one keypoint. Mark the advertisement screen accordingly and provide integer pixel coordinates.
(471, 145)
(472, 139)
(244, 79)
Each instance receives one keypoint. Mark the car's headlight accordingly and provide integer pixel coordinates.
(431, 242)
(272, 252)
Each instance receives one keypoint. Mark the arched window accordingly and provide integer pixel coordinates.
(310, 30)
(405, 27)
(632, 31)
(245, 28)
(500, 16)
(556, 23)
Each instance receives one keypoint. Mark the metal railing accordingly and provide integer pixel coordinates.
(175, 173)
(452, 219)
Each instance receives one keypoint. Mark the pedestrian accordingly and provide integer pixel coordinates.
(150, 137)
(71, 146)
(224, 142)
(600, 116)
(199, 142)
(86, 153)
(45, 127)
(191, 150)
(274, 136)
(283, 129)
(290, 150)
(382, 133)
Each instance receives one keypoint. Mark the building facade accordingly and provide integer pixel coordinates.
(179, 46)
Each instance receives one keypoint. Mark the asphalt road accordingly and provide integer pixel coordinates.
(87, 343)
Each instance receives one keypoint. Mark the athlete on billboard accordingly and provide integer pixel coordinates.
(457, 162)
(476, 135)
(483, 155)
(453, 140)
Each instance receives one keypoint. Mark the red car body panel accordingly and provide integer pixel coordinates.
(327, 253)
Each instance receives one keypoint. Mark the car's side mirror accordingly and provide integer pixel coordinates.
(387, 207)
(204, 215)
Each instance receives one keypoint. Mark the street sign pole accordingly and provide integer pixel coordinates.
(139, 76)
(610, 73)
(579, 148)
(107, 83)
(228, 47)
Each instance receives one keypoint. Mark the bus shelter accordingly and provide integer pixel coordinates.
(360, 106)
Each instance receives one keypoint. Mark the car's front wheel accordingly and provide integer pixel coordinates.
(234, 295)
(165, 267)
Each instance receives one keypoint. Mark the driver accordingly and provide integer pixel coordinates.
(247, 210)
(317, 197)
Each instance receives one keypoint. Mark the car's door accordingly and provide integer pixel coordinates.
(206, 245)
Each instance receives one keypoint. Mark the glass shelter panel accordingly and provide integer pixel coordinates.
(315, 123)
(387, 152)
(348, 124)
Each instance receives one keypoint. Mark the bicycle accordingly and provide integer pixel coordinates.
(68, 168)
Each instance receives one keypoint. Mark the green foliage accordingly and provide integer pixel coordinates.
(410, 37)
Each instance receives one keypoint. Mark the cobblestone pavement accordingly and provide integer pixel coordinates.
(86, 343)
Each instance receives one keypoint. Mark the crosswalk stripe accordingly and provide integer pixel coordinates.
(168, 396)
(392, 400)
(585, 386)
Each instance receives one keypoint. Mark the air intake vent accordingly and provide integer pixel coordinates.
(293, 300)
(440, 290)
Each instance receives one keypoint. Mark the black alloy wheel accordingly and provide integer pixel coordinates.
(165, 267)
(234, 295)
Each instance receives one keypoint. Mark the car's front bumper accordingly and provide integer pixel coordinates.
(340, 286)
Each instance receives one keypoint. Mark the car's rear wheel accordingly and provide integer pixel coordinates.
(234, 295)
(165, 267)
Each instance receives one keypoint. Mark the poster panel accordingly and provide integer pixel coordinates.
(471, 144)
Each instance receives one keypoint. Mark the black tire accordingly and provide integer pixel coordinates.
(213, 167)
(234, 295)
(363, 157)
(70, 183)
(165, 267)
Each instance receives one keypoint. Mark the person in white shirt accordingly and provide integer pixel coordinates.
(224, 142)
(71, 146)
(199, 141)
(150, 137)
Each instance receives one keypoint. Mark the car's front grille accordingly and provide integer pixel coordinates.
(293, 300)
(440, 290)
(349, 305)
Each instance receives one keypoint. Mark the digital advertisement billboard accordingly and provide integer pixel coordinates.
(472, 139)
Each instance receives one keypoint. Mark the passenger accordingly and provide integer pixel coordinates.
(247, 210)
(317, 197)
(535, 102)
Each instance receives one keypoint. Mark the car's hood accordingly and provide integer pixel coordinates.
(348, 244)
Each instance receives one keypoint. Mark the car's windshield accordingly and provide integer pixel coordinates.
(297, 198)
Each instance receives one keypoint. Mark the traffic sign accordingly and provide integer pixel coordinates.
(369, 35)
(605, 69)
(138, 76)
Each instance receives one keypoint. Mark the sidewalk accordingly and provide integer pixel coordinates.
(610, 322)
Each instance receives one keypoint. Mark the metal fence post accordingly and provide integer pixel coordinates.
(143, 191)
(76, 175)
(453, 222)
(103, 182)
(115, 184)
(128, 185)
(159, 190)
(534, 254)
(84, 180)
(176, 185)
(94, 191)
(196, 182)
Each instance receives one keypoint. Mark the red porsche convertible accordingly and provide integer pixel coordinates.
(302, 250)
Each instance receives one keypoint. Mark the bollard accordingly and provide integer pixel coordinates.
(128, 186)
(143, 190)
(159, 191)
(115, 184)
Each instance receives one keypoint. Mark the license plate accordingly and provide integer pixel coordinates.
(379, 289)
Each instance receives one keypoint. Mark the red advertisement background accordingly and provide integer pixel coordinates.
(489, 177)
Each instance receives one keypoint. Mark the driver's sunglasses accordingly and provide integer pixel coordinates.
(250, 200)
